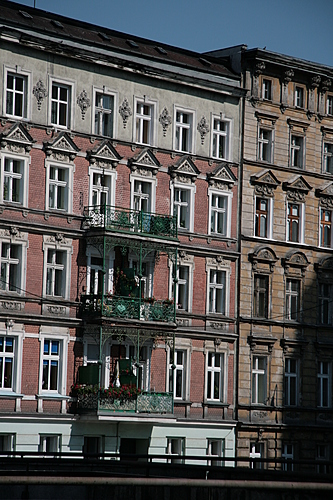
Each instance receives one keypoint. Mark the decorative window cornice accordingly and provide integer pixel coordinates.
(260, 343)
(221, 177)
(297, 124)
(325, 195)
(265, 183)
(295, 263)
(296, 188)
(184, 170)
(104, 155)
(263, 260)
(144, 163)
(16, 139)
(61, 148)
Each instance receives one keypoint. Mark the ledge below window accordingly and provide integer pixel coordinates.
(52, 397)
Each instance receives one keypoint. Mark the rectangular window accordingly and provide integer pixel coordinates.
(296, 151)
(104, 113)
(257, 451)
(7, 442)
(144, 123)
(58, 188)
(329, 105)
(322, 456)
(218, 214)
(299, 97)
(6, 362)
(142, 196)
(177, 374)
(16, 95)
(51, 360)
(96, 275)
(267, 89)
(288, 457)
(11, 256)
(176, 448)
(181, 207)
(262, 221)
(182, 288)
(325, 303)
(217, 292)
(290, 382)
(220, 137)
(328, 158)
(325, 228)
(260, 298)
(294, 223)
(101, 189)
(259, 380)
(49, 443)
(184, 131)
(13, 178)
(293, 299)
(60, 105)
(265, 145)
(324, 384)
(56, 273)
(93, 445)
(215, 377)
(215, 450)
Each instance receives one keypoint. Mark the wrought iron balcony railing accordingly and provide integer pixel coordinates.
(145, 402)
(123, 219)
(117, 306)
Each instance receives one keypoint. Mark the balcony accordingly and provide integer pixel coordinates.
(125, 220)
(145, 402)
(129, 308)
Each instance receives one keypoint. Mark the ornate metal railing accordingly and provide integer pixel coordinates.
(130, 308)
(123, 219)
(145, 402)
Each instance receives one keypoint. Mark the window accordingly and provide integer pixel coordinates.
(13, 180)
(182, 288)
(182, 207)
(93, 445)
(49, 443)
(329, 105)
(7, 442)
(16, 95)
(324, 384)
(265, 145)
(259, 380)
(257, 451)
(322, 456)
(175, 448)
(58, 191)
(184, 131)
(60, 104)
(220, 213)
(299, 97)
(53, 365)
(177, 374)
(325, 303)
(215, 450)
(51, 359)
(328, 158)
(215, 377)
(104, 114)
(288, 457)
(6, 362)
(263, 217)
(293, 299)
(56, 273)
(217, 291)
(142, 196)
(11, 267)
(325, 228)
(290, 382)
(101, 187)
(297, 151)
(294, 223)
(261, 290)
(267, 89)
(220, 138)
(144, 122)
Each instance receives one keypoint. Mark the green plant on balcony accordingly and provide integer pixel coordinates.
(124, 392)
(126, 283)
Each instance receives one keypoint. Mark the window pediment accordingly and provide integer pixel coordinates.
(62, 148)
(263, 259)
(324, 269)
(144, 163)
(261, 343)
(265, 183)
(297, 126)
(295, 263)
(266, 118)
(327, 133)
(184, 170)
(325, 195)
(294, 347)
(297, 188)
(221, 177)
(104, 155)
(16, 139)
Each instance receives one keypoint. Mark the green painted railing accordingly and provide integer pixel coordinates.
(130, 308)
(145, 402)
(123, 219)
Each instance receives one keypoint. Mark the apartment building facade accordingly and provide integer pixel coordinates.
(119, 249)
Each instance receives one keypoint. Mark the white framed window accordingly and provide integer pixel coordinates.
(215, 377)
(178, 374)
(182, 288)
(325, 228)
(101, 187)
(220, 205)
(259, 380)
(7, 357)
(217, 291)
(59, 187)
(257, 451)
(297, 151)
(49, 443)
(53, 361)
(265, 144)
(324, 384)
(215, 451)
(175, 449)
(184, 130)
(328, 158)
(293, 299)
(14, 179)
(267, 89)
(182, 204)
(329, 104)
(57, 268)
(143, 194)
(61, 103)
(17, 91)
(11, 267)
(288, 455)
(104, 113)
(263, 217)
(144, 122)
(291, 382)
(7, 442)
(147, 273)
(325, 303)
(11, 345)
(295, 222)
(299, 97)
(221, 137)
